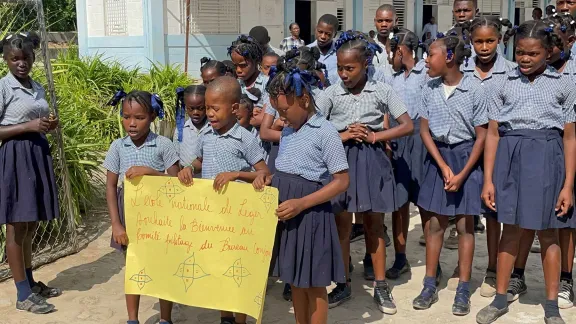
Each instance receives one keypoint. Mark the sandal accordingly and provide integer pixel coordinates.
(47, 292)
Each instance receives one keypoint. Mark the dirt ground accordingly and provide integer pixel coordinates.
(92, 281)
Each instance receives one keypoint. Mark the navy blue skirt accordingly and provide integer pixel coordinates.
(28, 191)
(529, 173)
(307, 248)
(409, 154)
(465, 201)
(120, 201)
(272, 155)
(372, 186)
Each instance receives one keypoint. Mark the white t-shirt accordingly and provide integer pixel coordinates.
(432, 29)
(448, 90)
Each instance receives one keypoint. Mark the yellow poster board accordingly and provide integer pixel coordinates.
(198, 247)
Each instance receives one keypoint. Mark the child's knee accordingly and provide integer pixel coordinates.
(16, 233)
(465, 225)
(548, 237)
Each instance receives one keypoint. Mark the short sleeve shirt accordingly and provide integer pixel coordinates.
(19, 104)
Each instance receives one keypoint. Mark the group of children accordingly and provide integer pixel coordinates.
(339, 132)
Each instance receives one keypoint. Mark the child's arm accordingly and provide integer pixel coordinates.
(565, 200)
(405, 127)
(186, 175)
(455, 183)
(266, 131)
(490, 148)
(433, 150)
(118, 230)
(291, 208)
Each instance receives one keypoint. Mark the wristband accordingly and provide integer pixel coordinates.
(191, 167)
(373, 138)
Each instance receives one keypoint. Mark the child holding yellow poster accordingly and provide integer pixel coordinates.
(140, 153)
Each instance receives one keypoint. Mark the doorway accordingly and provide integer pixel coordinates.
(304, 19)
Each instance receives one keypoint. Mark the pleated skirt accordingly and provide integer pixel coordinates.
(272, 155)
(434, 198)
(372, 185)
(529, 173)
(307, 250)
(28, 191)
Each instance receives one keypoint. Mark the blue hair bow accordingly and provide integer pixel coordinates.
(449, 53)
(118, 96)
(180, 112)
(549, 29)
(157, 106)
(344, 38)
(440, 35)
(299, 80)
(563, 28)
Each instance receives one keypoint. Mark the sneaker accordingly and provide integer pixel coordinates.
(454, 279)
(387, 240)
(338, 295)
(461, 306)
(384, 300)
(535, 245)
(35, 304)
(490, 314)
(566, 294)
(395, 273)
(554, 320)
(516, 287)
(451, 242)
(479, 228)
(422, 240)
(47, 292)
(368, 269)
(488, 288)
(357, 233)
(426, 298)
(287, 293)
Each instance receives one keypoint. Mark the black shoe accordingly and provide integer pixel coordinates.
(426, 298)
(350, 265)
(461, 306)
(490, 314)
(368, 269)
(383, 298)
(387, 240)
(479, 228)
(287, 293)
(357, 233)
(338, 295)
(395, 273)
(516, 287)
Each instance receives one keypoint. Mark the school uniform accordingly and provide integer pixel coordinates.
(372, 185)
(529, 168)
(570, 70)
(263, 144)
(233, 151)
(28, 191)
(380, 60)
(307, 248)
(329, 59)
(186, 147)
(157, 153)
(260, 84)
(451, 119)
(409, 152)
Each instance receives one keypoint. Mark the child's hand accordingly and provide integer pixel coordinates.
(488, 195)
(186, 176)
(447, 174)
(138, 171)
(359, 132)
(565, 202)
(289, 209)
(278, 124)
(40, 125)
(260, 182)
(119, 234)
(223, 178)
(455, 183)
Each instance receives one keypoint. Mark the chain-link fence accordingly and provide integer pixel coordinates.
(57, 238)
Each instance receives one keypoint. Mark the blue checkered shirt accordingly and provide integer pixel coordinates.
(157, 153)
(409, 88)
(290, 43)
(190, 135)
(546, 103)
(19, 104)
(498, 73)
(314, 152)
(263, 144)
(570, 70)
(330, 61)
(260, 84)
(236, 150)
(343, 108)
(452, 120)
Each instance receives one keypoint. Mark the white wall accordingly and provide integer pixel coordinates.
(96, 18)
(444, 18)
(135, 18)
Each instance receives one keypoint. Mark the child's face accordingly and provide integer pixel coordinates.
(293, 110)
(257, 117)
(436, 60)
(566, 6)
(398, 57)
(243, 115)
(531, 56)
(485, 40)
(464, 11)
(324, 34)
(19, 62)
(245, 68)
(384, 22)
(220, 110)
(267, 63)
(351, 68)
(209, 75)
(195, 108)
(136, 120)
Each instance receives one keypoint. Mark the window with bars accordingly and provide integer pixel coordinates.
(340, 16)
(115, 17)
(213, 17)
